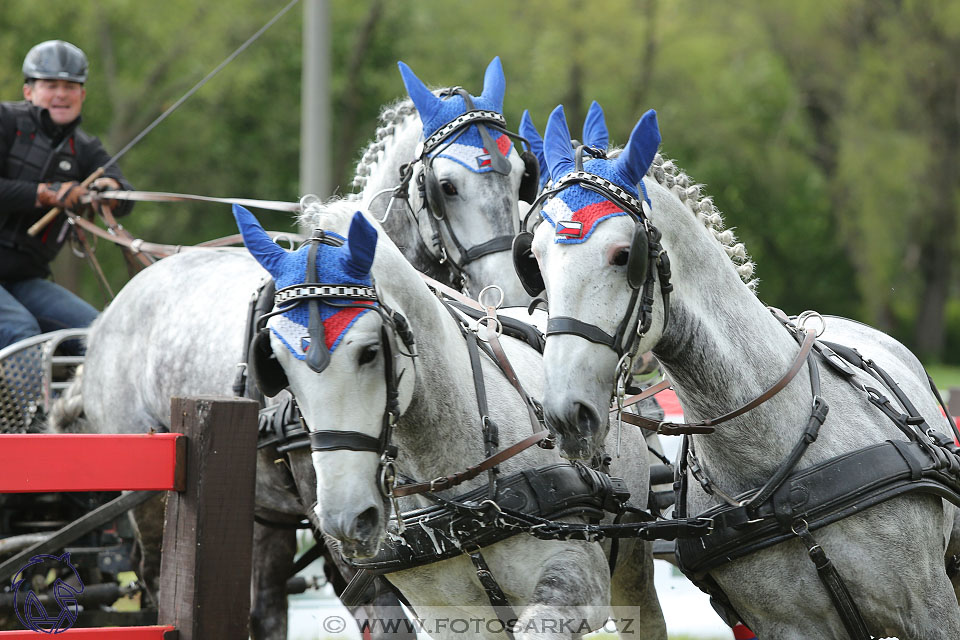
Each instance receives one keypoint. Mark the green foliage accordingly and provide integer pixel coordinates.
(821, 129)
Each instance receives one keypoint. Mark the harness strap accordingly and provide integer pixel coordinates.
(498, 600)
(557, 325)
(347, 440)
(707, 426)
(491, 434)
(842, 600)
(445, 482)
(353, 594)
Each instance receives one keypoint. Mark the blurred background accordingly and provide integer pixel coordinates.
(827, 132)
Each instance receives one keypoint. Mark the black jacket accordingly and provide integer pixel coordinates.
(34, 149)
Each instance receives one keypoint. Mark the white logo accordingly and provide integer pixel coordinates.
(65, 165)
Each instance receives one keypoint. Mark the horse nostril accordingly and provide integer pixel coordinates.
(366, 523)
(588, 422)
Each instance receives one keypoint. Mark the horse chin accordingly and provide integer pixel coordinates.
(360, 549)
(577, 446)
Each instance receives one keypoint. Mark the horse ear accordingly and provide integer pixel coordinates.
(426, 103)
(529, 131)
(268, 253)
(637, 156)
(361, 246)
(494, 84)
(595, 132)
(556, 144)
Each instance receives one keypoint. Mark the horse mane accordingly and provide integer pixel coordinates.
(668, 174)
(315, 213)
(391, 115)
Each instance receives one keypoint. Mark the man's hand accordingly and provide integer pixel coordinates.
(47, 194)
(105, 184)
(65, 195)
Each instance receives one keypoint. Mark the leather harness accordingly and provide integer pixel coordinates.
(795, 503)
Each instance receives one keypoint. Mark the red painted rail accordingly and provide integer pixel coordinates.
(88, 462)
(106, 633)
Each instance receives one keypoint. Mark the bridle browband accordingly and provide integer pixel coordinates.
(641, 267)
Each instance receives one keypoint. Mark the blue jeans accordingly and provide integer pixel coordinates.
(31, 307)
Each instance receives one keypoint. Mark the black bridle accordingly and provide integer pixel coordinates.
(393, 325)
(647, 257)
(430, 188)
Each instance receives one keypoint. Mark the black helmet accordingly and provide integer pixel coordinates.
(55, 60)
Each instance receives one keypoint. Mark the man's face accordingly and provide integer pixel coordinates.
(62, 98)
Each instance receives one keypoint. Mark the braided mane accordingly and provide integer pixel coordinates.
(391, 115)
(667, 173)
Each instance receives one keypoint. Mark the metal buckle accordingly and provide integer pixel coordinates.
(436, 481)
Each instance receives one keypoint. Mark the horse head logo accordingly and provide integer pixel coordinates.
(31, 611)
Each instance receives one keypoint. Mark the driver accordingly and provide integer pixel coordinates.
(44, 157)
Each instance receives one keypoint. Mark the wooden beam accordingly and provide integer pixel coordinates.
(89, 462)
(208, 531)
(114, 633)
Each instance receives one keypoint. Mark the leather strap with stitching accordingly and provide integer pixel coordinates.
(445, 482)
(708, 426)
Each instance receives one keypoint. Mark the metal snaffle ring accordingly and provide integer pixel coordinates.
(806, 316)
(490, 287)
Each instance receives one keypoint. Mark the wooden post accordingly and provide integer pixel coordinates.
(208, 530)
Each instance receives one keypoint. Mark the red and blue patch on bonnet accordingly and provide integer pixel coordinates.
(575, 212)
(468, 150)
(348, 264)
(292, 327)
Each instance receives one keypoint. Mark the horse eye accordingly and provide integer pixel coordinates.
(620, 257)
(448, 188)
(369, 353)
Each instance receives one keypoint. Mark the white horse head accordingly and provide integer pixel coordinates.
(585, 256)
(460, 210)
(362, 356)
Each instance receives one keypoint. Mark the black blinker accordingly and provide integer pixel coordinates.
(639, 259)
(525, 264)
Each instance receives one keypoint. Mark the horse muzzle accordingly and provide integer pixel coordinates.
(359, 534)
(577, 426)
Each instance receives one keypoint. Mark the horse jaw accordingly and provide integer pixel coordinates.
(349, 507)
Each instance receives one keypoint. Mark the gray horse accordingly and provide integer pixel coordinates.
(722, 347)
(422, 364)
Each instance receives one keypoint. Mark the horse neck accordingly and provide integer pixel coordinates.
(723, 347)
(444, 404)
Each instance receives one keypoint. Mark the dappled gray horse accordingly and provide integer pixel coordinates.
(602, 257)
(381, 369)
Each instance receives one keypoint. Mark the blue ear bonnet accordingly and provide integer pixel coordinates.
(335, 265)
(467, 148)
(331, 269)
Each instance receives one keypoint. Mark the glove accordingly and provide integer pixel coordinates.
(69, 195)
(47, 194)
